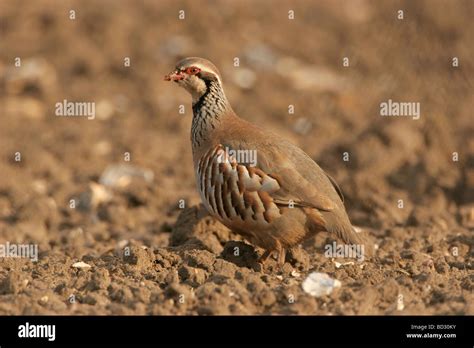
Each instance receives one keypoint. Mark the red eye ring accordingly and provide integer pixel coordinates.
(192, 70)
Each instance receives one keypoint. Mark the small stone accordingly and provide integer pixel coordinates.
(295, 274)
(320, 284)
(104, 110)
(81, 264)
(103, 147)
(121, 175)
(40, 186)
(339, 265)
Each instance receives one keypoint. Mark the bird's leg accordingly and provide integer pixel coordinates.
(281, 256)
(264, 256)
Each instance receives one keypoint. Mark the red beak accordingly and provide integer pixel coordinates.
(174, 76)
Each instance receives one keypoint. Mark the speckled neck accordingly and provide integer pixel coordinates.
(208, 112)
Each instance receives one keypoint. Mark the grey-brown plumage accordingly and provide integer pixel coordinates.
(276, 204)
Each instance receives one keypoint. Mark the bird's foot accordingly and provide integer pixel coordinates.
(281, 256)
(264, 256)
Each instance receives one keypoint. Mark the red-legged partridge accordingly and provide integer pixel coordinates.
(276, 202)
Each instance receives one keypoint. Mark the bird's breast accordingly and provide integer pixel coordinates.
(236, 194)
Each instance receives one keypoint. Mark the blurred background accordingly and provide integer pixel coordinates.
(282, 62)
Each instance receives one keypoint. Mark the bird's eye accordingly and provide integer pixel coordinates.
(192, 70)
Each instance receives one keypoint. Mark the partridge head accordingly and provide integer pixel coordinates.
(253, 181)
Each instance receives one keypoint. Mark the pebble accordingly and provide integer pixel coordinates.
(121, 175)
(104, 110)
(320, 284)
(81, 264)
